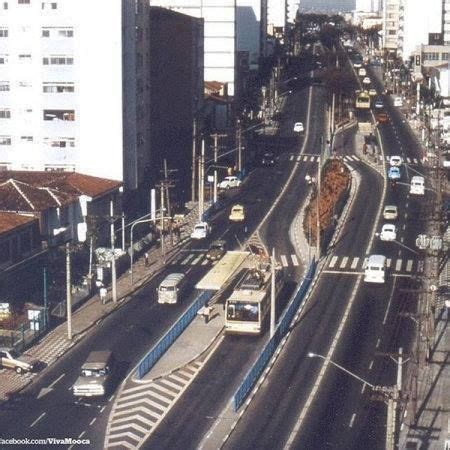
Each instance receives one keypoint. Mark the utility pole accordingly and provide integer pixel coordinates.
(168, 184)
(68, 293)
(194, 156)
(239, 145)
(164, 186)
(201, 183)
(113, 256)
(216, 150)
(163, 251)
(318, 207)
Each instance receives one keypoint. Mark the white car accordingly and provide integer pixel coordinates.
(298, 127)
(388, 232)
(201, 230)
(390, 212)
(229, 182)
(372, 92)
(366, 80)
(398, 101)
(395, 161)
(362, 72)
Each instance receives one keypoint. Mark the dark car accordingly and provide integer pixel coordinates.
(268, 159)
(216, 250)
(382, 117)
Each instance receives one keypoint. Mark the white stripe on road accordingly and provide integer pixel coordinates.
(388, 262)
(284, 261)
(196, 260)
(354, 262)
(204, 262)
(343, 262)
(188, 257)
(398, 265)
(352, 420)
(294, 260)
(291, 158)
(365, 263)
(37, 420)
(333, 261)
(409, 265)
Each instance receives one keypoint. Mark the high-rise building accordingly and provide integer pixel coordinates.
(277, 13)
(73, 89)
(393, 26)
(220, 35)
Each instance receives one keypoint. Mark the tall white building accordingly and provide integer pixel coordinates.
(368, 6)
(70, 73)
(446, 21)
(220, 35)
(393, 26)
(277, 13)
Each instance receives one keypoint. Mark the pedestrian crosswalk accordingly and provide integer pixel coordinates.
(315, 158)
(355, 263)
(407, 160)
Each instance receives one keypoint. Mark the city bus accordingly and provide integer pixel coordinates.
(363, 100)
(246, 310)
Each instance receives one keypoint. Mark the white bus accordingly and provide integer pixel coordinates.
(247, 307)
(376, 269)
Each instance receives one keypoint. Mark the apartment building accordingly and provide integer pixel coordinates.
(73, 90)
(277, 14)
(219, 36)
(393, 12)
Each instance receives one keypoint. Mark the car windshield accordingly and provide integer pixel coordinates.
(94, 373)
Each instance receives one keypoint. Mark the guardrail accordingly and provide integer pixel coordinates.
(269, 349)
(149, 360)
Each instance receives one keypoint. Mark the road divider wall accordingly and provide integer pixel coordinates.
(269, 349)
(149, 360)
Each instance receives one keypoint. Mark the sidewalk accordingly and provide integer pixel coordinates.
(55, 344)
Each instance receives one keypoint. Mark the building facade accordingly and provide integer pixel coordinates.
(393, 15)
(219, 36)
(72, 91)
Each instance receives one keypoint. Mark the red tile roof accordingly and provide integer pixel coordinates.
(10, 221)
(67, 182)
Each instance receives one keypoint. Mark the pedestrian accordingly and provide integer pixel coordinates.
(206, 313)
(146, 259)
(103, 292)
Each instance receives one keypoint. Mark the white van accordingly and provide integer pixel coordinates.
(170, 288)
(417, 186)
(376, 269)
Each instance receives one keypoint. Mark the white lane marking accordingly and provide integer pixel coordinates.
(204, 262)
(103, 408)
(388, 262)
(354, 262)
(294, 260)
(333, 261)
(312, 158)
(416, 161)
(370, 365)
(291, 158)
(352, 420)
(38, 419)
(378, 343)
(366, 260)
(356, 158)
(343, 262)
(59, 378)
(81, 434)
(409, 265)
(305, 158)
(92, 421)
(363, 388)
(342, 272)
(398, 265)
(409, 160)
(185, 260)
(390, 300)
(196, 260)
(284, 260)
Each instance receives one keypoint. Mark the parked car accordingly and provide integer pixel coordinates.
(366, 80)
(216, 250)
(229, 182)
(379, 103)
(372, 92)
(394, 173)
(298, 127)
(388, 232)
(201, 230)
(237, 213)
(390, 212)
(395, 161)
(10, 359)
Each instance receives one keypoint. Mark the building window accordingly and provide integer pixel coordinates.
(26, 138)
(59, 32)
(444, 56)
(5, 140)
(59, 114)
(3, 32)
(5, 113)
(60, 142)
(58, 88)
(24, 57)
(65, 33)
(3, 59)
(25, 84)
(4, 86)
(49, 5)
(5, 5)
(46, 33)
(57, 61)
(23, 2)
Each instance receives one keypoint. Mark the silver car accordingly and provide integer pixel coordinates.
(10, 359)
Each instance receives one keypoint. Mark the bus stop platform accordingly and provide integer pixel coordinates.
(195, 340)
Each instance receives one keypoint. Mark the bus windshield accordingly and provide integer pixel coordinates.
(242, 311)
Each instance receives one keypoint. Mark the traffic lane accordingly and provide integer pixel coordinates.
(199, 407)
(271, 415)
(129, 332)
(364, 213)
(341, 399)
